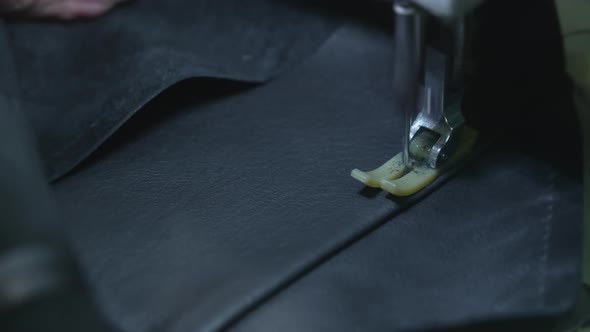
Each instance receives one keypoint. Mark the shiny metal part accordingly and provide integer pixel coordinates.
(448, 9)
(427, 85)
(407, 59)
(439, 111)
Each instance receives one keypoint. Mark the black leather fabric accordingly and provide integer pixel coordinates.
(33, 297)
(452, 260)
(79, 81)
(22, 184)
(227, 206)
(239, 211)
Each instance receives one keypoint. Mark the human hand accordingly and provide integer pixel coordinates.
(60, 9)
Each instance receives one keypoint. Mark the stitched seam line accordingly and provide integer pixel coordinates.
(547, 232)
(289, 280)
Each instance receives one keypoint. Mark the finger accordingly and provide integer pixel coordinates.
(70, 9)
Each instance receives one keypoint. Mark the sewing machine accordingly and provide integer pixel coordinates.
(431, 44)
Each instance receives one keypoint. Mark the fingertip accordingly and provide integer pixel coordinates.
(68, 9)
(83, 10)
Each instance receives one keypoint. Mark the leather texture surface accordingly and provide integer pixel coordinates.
(79, 81)
(238, 211)
(452, 260)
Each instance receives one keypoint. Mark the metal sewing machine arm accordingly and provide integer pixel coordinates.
(430, 44)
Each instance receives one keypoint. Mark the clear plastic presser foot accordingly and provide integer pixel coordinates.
(399, 180)
(427, 88)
